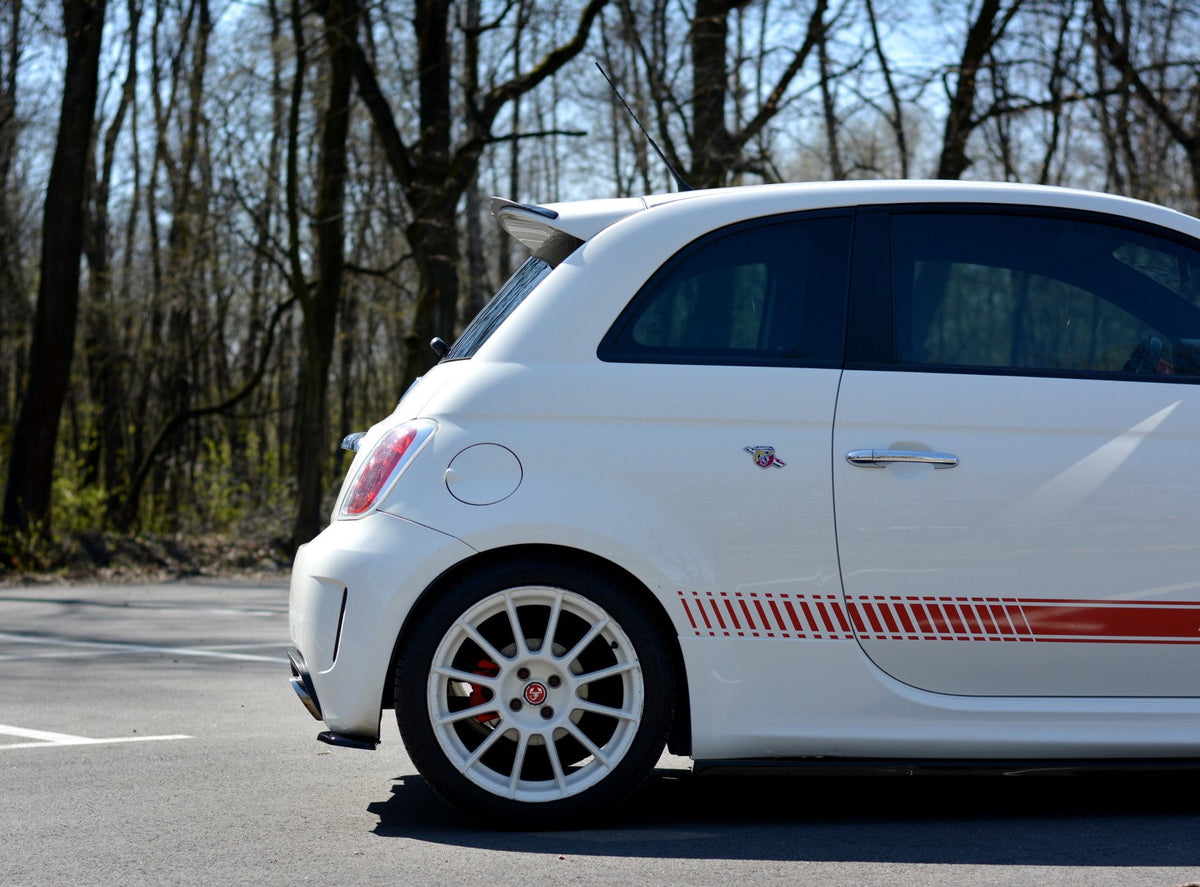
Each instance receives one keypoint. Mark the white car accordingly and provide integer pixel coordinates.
(857, 472)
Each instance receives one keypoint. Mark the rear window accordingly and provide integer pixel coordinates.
(771, 292)
(532, 272)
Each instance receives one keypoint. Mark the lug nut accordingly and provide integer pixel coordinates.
(523, 674)
(547, 712)
(515, 705)
(554, 680)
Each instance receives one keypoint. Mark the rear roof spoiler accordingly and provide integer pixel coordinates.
(535, 226)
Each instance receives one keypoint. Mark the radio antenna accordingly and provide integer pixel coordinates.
(683, 186)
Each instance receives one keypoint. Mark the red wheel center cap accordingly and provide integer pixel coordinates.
(536, 693)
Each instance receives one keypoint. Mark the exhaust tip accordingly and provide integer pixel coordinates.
(302, 683)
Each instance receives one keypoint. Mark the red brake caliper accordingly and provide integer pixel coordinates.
(487, 669)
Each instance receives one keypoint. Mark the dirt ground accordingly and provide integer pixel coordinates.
(109, 557)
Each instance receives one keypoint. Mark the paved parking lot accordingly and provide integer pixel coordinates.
(148, 736)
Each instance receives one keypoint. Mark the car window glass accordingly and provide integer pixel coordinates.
(762, 293)
(1032, 293)
(532, 272)
(1170, 265)
(708, 308)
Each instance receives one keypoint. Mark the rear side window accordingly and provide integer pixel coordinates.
(769, 292)
(532, 272)
(1039, 293)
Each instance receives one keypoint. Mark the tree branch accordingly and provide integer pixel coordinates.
(129, 511)
(1118, 54)
(769, 108)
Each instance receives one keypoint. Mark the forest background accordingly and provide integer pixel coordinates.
(229, 228)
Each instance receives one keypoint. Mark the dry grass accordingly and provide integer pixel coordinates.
(111, 557)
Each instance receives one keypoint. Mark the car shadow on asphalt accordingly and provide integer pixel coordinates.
(1107, 819)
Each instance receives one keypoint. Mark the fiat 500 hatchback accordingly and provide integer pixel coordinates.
(854, 472)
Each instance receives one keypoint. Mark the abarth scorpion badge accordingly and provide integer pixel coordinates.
(764, 457)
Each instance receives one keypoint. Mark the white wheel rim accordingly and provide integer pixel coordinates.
(532, 719)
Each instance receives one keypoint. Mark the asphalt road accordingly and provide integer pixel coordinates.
(148, 736)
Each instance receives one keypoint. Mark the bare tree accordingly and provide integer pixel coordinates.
(837, 168)
(1165, 84)
(320, 302)
(895, 114)
(31, 460)
(14, 311)
(435, 173)
(717, 147)
(102, 351)
(962, 117)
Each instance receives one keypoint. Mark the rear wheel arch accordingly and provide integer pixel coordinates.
(680, 739)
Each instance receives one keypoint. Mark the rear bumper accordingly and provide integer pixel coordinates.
(352, 588)
(303, 685)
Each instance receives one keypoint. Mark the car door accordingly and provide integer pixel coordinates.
(729, 358)
(1014, 452)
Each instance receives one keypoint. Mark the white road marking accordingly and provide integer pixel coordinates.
(120, 647)
(46, 739)
(58, 654)
(247, 646)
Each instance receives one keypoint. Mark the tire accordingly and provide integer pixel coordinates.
(518, 730)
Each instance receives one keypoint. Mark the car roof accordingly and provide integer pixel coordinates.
(534, 225)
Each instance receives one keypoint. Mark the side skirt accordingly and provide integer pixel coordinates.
(925, 767)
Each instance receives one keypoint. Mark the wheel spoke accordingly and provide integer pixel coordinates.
(468, 677)
(617, 713)
(473, 633)
(552, 624)
(585, 640)
(514, 622)
(481, 750)
(514, 778)
(488, 708)
(600, 674)
(560, 778)
(586, 741)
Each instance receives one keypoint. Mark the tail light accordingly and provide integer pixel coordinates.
(386, 461)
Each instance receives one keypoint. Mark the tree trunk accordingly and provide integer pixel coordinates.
(434, 177)
(837, 170)
(14, 307)
(31, 463)
(896, 118)
(102, 351)
(960, 118)
(321, 304)
(433, 232)
(476, 290)
(714, 153)
(718, 153)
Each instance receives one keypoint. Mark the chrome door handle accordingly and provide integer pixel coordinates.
(884, 458)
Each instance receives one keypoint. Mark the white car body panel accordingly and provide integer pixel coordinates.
(832, 702)
(1068, 519)
(348, 602)
(670, 492)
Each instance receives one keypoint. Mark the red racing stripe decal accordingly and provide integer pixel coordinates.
(762, 614)
(688, 611)
(1084, 620)
(929, 618)
(791, 612)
